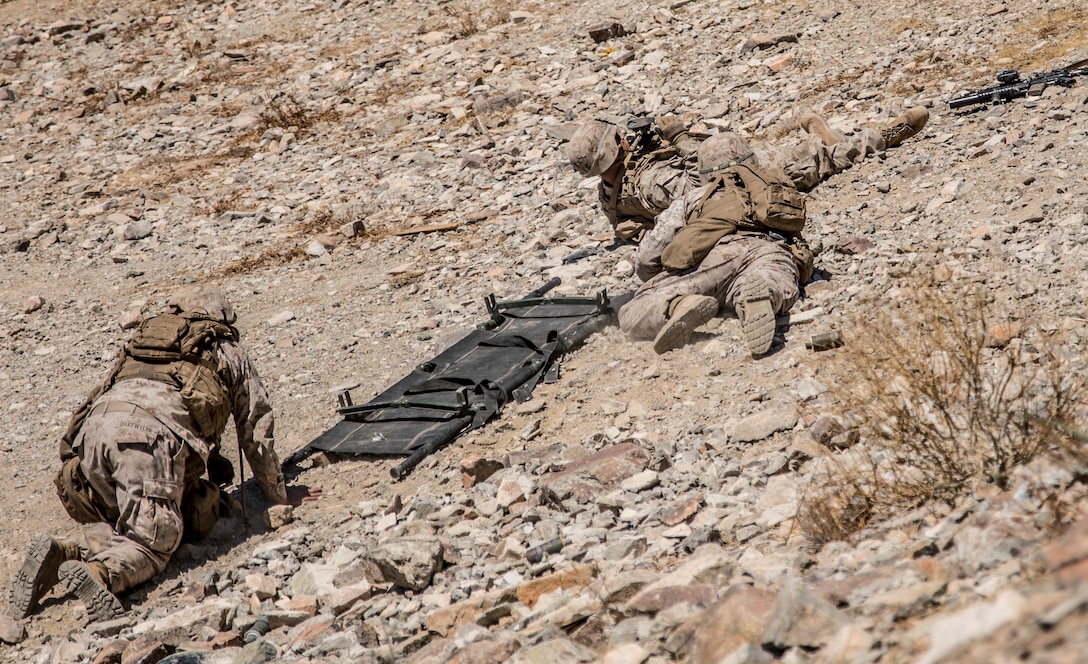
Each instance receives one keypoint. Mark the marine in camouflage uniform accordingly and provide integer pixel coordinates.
(134, 449)
(639, 182)
(751, 273)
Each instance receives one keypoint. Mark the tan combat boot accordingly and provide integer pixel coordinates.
(39, 573)
(756, 315)
(817, 126)
(686, 313)
(903, 127)
(90, 583)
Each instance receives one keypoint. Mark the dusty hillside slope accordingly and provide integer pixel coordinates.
(715, 508)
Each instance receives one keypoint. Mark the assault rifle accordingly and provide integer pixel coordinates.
(643, 134)
(1013, 86)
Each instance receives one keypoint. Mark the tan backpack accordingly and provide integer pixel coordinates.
(182, 351)
(742, 198)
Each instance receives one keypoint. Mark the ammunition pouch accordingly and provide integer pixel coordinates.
(804, 258)
(199, 509)
(77, 496)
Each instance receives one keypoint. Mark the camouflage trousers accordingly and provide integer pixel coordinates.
(136, 464)
(721, 275)
(812, 161)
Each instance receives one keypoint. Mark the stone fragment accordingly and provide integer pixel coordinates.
(647, 479)
(683, 511)
(948, 632)
(281, 318)
(137, 230)
(801, 618)
(477, 469)
(555, 651)
(313, 579)
(214, 613)
(765, 41)
(130, 319)
(780, 62)
(1067, 556)
(629, 653)
(659, 599)
(591, 475)
(146, 649)
(261, 585)
(602, 32)
(260, 651)
(11, 631)
(409, 562)
(280, 515)
(111, 654)
(510, 492)
(998, 335)
(489, 651)
(825, 428)
(853, 245)
(736, 619)
(578, 576)
(33, 303)
(779, 416)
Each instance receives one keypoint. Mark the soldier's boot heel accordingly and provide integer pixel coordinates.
(84, 583)
(688, 313)
(38, 574)
(903, 127)
(757, 315)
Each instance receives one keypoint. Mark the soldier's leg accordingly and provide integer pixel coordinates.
(682, 300)
(132, 459)
(813, 161)
(765, 286)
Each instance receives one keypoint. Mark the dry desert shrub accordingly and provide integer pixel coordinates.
(287, 113)
(948, 393)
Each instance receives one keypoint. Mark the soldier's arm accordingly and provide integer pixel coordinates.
(675, 132)
(648, 259)
(254, 422)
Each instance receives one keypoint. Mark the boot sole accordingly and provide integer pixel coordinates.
(37, 576)
(678, 330)
(758, 321)
(100, 602)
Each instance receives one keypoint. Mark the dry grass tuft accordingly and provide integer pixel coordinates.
(465, 19)
(324, 220)
(949, 394)
(1046, 38)
(288, 114)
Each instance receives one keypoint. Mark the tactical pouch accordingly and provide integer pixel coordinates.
(205, 396)
(768, 197)
(77, 496)
(694, 241)
(803, 257)
(722, 210)
(199, 509)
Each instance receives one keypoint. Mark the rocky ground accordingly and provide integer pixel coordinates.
(359, 175)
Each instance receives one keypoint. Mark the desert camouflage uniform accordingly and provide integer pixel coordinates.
(721, 274)
(649, 183)
(138, 447)
(812, 161)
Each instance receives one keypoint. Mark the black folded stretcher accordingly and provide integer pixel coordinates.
(467, 384)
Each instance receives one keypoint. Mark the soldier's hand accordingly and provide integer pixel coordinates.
(671, 126)
(298, 494)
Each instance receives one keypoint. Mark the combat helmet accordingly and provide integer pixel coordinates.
(202, 301)
(594, 147)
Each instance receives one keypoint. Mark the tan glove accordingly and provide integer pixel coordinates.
(671, 127)
(675, 132)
